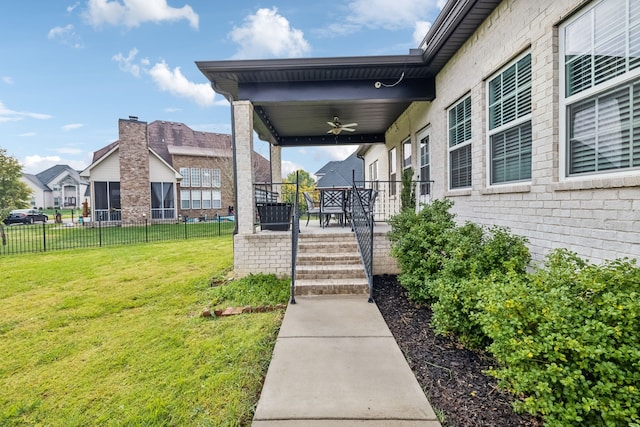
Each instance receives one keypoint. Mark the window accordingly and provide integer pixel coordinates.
(460, 144)
(186, 175)
(373, 175)
(406, 153)
(195, 177)
(206, 199)
(510, 123)
(425, 164)
(185, 199)
(162, 200)
(600, 51)
(107, 200)
(196, 201)
(217, 199)
(215, 180)
(392, 172)
(206, 177)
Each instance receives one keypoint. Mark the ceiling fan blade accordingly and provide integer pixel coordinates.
(349, 125)
(348, 129)
(332, 124)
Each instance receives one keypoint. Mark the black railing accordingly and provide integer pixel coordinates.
(362, 225)
(295, 230)
(53, 237)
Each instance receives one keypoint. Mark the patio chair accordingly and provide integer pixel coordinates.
(332, 202)
(311, 207)
(368, 198)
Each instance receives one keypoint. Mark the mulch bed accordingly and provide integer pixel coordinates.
(451, 376)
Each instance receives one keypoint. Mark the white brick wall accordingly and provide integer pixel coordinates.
(598, 217)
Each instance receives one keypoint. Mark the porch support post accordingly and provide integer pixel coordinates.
(243, 134)
(276, 162)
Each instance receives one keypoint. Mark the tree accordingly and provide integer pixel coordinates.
(305, 183)
(407, 193)
(13, 192)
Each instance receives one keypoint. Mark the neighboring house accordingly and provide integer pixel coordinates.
(340, 173)
(60, 186)
(163, 171)
(525, 114)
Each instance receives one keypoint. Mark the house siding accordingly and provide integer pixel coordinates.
(598, 217)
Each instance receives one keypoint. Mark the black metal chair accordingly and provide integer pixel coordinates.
(332, 202)
(311, 207)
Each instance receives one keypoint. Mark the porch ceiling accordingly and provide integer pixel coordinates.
(294, 99)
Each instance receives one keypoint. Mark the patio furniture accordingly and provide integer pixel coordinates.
(368, 198)
(311, 207)
(274, 216)
(332, 202)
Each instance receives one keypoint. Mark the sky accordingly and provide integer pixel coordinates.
(70, 70)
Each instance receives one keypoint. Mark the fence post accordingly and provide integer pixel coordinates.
(219, 227)
(146, 230)
(185, 229)
(44, 236)
(100, 232)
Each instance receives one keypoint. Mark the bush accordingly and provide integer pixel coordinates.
(566, 337)
(473, 254)
(418, 243)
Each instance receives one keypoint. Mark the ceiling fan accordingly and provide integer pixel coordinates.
(337, 127)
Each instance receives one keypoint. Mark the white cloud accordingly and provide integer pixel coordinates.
(289, 166)
(72, 126)
(7, 115)
(126, 63)
(175, 82)
(72, 7)
(132, 13)
(7, 79)
(67, 150)
(419, 31)
(66, 35)
(37, 163)
(389, 14)
(268, 34)
(27, 134)
(334, 152)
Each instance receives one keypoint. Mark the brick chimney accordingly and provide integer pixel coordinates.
(135, 186)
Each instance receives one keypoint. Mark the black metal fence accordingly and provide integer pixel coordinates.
(53, 237)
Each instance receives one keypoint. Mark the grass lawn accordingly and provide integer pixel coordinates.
(115, 336)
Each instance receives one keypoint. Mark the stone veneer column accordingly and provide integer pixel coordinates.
(135, 188)
(276, 162)
(243, 140)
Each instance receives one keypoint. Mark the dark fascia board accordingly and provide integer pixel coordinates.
(448, 21)
(225, 75)
(346, 90)
(320, 140)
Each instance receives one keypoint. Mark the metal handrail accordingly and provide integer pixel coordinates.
(362, 223)
(295, 230)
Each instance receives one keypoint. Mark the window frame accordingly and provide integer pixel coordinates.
(186, 177)
(407, 153)
(393, 170)
(517, 123)
(424, 189)
(466, 144)
(628, 78)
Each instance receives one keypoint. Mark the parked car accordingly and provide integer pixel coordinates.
(25, 216)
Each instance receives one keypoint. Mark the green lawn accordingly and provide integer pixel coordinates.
(115, 336)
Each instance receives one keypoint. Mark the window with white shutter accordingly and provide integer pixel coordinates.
(459, 124)
(600, 51)
(509, 123)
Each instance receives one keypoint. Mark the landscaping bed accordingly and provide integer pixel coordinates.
(452, 377)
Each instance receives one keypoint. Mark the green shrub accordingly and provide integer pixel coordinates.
(566, 337)
(473, 254)
(418, 243)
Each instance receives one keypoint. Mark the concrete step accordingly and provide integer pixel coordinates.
(314, 258)
(331, 286)
(328, 247)
(328, 274)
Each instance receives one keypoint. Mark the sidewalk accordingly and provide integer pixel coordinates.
(335, 363)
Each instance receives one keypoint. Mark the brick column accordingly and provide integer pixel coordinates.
(243, 140)
(276, 162)
(135, 187)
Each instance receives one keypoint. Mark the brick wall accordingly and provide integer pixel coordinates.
(598, 217)
(135, 188)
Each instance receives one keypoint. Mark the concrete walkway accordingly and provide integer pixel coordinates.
(335, 363)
